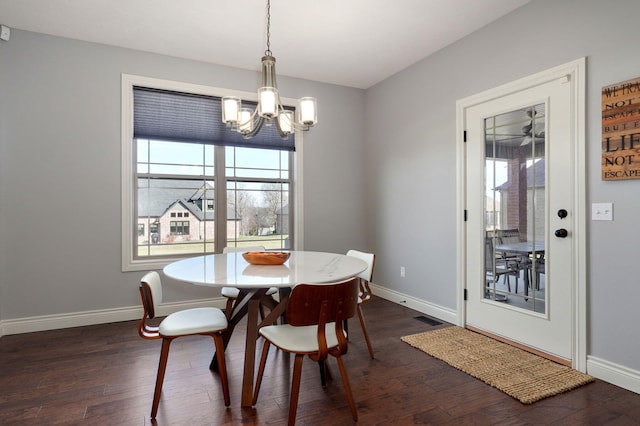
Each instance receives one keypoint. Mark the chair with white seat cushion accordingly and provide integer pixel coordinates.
(314, 327)
(231, 293)
(197, 321)
(365, 294)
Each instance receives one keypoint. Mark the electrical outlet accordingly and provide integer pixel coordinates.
(402, 272)
(602, 211)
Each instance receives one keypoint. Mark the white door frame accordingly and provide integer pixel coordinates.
(575, 71)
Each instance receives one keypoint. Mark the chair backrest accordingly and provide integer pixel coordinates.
(506, 236)
(151, 293)
(311, 304)
(489, 256)
(151, 296)
(242, 249)
(364, 277)
(369, 258)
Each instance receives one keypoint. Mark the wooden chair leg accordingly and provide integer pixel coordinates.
(325, 373)
(263, 361)
(222, 367)
(364, 331)
(262, 313)
(229, 309)
(347, 389)
(295, 388)
(162, 366)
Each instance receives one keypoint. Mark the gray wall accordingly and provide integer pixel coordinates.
(411, 155)
(60, 170)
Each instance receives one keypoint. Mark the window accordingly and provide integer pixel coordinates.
(256, 185)
(179, 228)
(198, 196)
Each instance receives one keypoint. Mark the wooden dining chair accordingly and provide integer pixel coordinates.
(231, 293)
(314, 327)
(208, 321)
(364, 294)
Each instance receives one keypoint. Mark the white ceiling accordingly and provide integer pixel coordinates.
(353, 43)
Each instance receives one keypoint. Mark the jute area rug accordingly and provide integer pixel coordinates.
(520, 374)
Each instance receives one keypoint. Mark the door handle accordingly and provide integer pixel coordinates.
(561, 233)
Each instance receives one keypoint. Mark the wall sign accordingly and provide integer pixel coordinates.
(621, 130)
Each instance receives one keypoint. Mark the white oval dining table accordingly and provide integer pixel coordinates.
(231, 269)
(253, 281)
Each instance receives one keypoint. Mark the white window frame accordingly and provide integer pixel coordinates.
(129, 225)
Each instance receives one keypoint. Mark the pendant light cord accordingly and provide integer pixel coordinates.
(268, 51)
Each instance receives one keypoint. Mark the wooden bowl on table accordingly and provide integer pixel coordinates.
(266, 257)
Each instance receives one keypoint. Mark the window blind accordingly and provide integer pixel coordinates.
(192, 118)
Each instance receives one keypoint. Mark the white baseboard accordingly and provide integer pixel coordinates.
(436, 311)
(103, 316)
(615, 374)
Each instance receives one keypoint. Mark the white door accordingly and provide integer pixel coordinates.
(520, 186)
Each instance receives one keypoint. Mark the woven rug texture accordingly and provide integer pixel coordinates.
(520, 374)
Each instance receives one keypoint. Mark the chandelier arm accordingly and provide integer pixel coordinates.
(281, 108)
(257, 125)
(283, 134)
(303, 127)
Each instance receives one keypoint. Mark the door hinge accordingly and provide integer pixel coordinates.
(465, 294)
(465, 215)
(464, 136)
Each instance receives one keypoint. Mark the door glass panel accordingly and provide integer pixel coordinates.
(514, 208)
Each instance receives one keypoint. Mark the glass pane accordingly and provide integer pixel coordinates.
(514, 208)
(257, 163)
(177, 158)
(160, 200)
(260, 212)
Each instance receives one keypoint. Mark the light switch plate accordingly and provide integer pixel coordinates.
(602, 211)
(5, 32)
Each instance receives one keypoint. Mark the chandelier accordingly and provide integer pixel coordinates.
(269, 109)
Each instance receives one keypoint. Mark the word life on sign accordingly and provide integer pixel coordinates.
(621, 130)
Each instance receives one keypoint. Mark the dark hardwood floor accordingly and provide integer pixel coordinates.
(105, 374)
